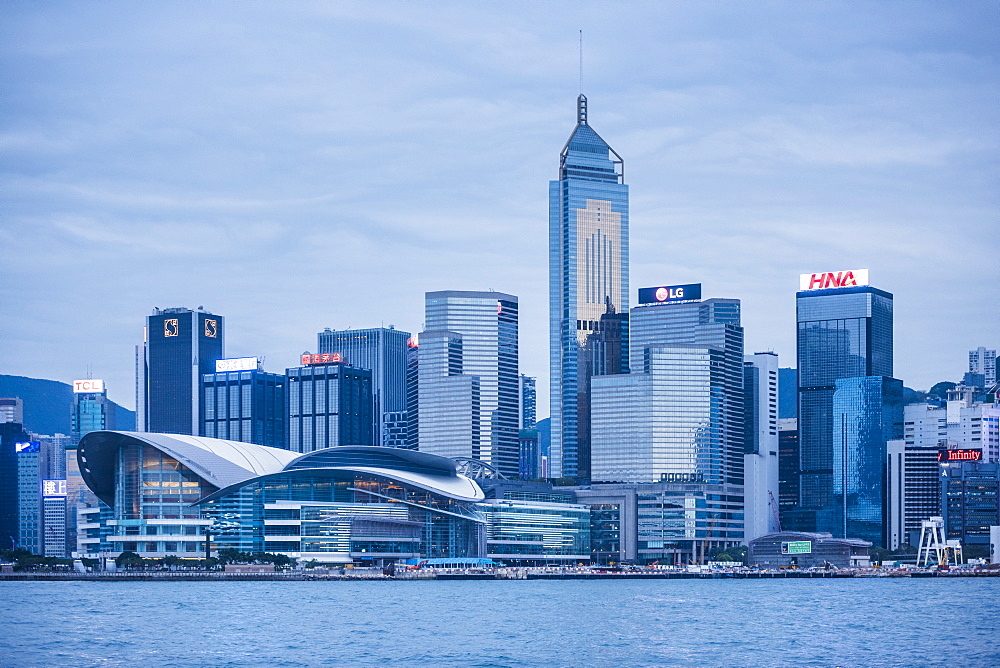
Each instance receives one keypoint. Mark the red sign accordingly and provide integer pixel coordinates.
(321, 358)
(960, 455)
(841, 279)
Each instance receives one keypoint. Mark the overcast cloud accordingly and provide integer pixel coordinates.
(295, 166)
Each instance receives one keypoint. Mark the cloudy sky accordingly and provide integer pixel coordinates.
(294, 166)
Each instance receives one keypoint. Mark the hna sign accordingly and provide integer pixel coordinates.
(839, 279)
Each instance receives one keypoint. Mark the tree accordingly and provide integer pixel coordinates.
(128, 560)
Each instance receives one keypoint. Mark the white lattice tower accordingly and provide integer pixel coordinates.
(932, 541)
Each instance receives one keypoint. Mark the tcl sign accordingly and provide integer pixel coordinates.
(88, 386)
(833, 279)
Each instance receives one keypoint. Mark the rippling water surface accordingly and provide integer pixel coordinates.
(860, 622)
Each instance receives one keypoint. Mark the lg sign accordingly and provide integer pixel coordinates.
(89, 385)
(670, 293)
(839, 279)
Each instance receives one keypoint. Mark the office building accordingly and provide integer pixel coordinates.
(679, 414)
(179, 346)
(529, 402)
(788, 393)
(382, 351)
(970, 501)
(41, 495)
(11, 410)
(364, 505)
(588, 287)
(760, 444)
(91, 409)
(242, 402)
(412, 394)
(983, 361)
(329, 404)
(12, 435)
(844, 331)
(788, 467)
(867, 414)
(530, 458)
(468, 378)
(959, 424)
(913, 490)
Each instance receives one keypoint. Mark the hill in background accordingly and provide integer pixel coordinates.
(47, 404)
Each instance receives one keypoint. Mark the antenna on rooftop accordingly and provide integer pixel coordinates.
(581, 61)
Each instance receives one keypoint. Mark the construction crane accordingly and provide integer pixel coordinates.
(774, 510)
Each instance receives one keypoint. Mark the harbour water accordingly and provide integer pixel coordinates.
(847, 622)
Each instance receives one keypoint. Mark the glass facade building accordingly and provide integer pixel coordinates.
(179, 346)
(970, 501)
(680, 411)
(468, 366)
(246, 406)
(328, 405)
(536, 533)
(842, 333)
(588, 287)
(867, 413)
(363, 505)
(382, 351)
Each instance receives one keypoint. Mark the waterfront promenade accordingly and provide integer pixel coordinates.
(581, 573)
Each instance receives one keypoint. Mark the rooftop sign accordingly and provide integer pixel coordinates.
(88, 386)
(53, 488)
(321, 358)
(236, 364)
(960, 455)
(849, 278)
(670, 293)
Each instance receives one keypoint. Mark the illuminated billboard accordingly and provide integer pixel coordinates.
(670, 293)
(26, 446)
(797, 547)
(236, 364)
(849, 278)
(88, 386)
(321, 358)
(960, 455)
(53, 488)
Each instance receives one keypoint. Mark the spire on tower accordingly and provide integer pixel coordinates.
(581, 109)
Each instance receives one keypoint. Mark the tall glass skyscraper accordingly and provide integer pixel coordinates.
(843, 332)
(588, 287)
(382, 351)
(470, 343)
(179, 345)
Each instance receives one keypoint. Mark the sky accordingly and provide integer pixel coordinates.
(295, 166)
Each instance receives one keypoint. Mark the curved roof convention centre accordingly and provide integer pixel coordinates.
(229, 465)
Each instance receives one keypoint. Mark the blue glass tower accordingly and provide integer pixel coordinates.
(588, 287)
(842, 333)
(867, 412)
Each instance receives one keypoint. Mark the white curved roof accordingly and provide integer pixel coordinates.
(257, 459)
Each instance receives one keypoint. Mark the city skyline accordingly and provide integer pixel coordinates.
(147, 166)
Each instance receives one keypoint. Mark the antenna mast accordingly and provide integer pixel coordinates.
(581, 61)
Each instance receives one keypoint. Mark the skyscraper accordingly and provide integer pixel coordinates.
(91, 409)
(179, 346)
(760, 444)
(984, 361)
(383, 352)
(469, 360)
(844, 331)
(242, 402)
(329, 404)
(588, 287)
(678, 416)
